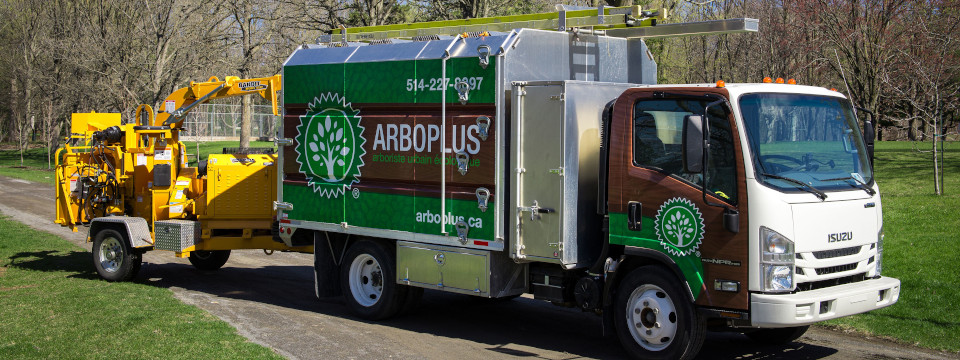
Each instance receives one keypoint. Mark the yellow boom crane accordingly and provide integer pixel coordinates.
(131, 186)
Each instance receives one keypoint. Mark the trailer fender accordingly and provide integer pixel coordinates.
(136, 229)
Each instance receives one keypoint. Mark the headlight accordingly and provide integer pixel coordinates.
(879, 251)
(776, 261)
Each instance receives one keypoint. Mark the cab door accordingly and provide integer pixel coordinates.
(657, 207)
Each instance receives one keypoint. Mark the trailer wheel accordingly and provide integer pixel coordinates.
(777, 336)
(209, 260)
(113, 258)
(367, 281)
(653, 317)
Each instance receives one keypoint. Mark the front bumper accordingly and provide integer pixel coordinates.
(808, 307)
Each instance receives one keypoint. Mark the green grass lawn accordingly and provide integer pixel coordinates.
(54, 306)
(34, 165)
(921, 248)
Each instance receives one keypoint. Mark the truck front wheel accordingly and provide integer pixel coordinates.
(653, 318)
(368, 281)
(209, 259)
(113, 258)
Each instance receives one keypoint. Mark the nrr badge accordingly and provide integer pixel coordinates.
(679, 226)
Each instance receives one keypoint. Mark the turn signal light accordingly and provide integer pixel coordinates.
(767, 80)
(721, 84)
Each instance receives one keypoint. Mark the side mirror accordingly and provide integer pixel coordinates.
(868, 135)
(693, 144)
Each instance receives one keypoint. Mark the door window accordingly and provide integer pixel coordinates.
(657, 143)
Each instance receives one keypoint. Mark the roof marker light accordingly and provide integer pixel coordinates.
(792, 82)
(721, 83)
(767, 80)
(779, 80)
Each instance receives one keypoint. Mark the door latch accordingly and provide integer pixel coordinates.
(483, 195)
(483, 123)
(484, 53)
(535, 210)
(462, 230)
(462, 161)
(463, 89)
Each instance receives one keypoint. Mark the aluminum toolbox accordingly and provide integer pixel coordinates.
(176, 235)
(459, 270)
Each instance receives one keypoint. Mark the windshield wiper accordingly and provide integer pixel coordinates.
(803, 186)
(857, 180)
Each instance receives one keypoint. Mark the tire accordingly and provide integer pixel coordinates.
(779, 336)
(113, 258)
(209, 260)
(367, 280)
(654, 318)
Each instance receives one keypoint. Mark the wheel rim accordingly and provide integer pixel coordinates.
(366, 280)
(651, 317)
(111, 254)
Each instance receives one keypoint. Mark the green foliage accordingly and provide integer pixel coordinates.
(920, 249)
(54, 306)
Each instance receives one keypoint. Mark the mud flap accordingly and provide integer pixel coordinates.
(328, 252)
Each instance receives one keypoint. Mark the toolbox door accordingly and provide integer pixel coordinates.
(538, 147)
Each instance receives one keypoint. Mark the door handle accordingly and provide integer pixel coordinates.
(634, 216)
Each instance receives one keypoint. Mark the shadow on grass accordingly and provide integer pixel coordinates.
(77, 263)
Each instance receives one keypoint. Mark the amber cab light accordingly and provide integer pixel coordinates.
(779, 80)
(721, 83)
(792, 82)
(767, 80)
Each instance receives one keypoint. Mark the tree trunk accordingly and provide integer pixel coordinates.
(936, 158)
(246, 112)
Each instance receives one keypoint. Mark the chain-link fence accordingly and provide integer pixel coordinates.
(222, 122)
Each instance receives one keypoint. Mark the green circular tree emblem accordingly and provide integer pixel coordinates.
(679, 226)
(330, 145)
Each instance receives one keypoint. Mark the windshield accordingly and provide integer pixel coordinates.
(805, 142)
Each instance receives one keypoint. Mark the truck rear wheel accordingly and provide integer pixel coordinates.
(209, 259)
(653, 317)
(777, 336)
(367, 279)
(113, 258)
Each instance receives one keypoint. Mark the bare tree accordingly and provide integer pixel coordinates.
(926, 78)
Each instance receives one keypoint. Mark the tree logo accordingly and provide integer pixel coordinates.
(679, 226)
(330, 145)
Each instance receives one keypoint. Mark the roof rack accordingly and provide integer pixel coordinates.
(626, 22)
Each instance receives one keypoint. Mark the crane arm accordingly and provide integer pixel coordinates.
(178, 104)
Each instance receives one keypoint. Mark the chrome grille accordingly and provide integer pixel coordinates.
(829, 254)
